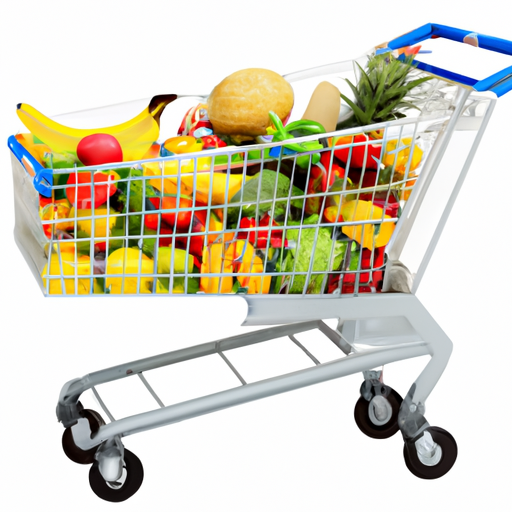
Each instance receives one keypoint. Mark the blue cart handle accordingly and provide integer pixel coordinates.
(43, 178)
(499, 83)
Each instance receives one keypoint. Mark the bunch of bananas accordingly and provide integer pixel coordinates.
(134, 137)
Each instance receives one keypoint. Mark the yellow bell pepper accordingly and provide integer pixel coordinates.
(365, 234)
(401, 157)
(171, 169)
(213, 262)
(216, 228)
(183, 144)
(100, 221)
(233, 258)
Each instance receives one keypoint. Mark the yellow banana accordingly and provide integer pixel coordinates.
(135, 136)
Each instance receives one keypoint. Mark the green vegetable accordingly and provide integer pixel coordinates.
(328, 254)
(134, 202)
(260, 192)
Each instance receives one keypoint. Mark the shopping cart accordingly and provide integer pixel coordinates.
(337, 225)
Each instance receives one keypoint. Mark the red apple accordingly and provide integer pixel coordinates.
(98, 149)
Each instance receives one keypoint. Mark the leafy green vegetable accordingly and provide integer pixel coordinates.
(316, 243)
(260, 193)
(134, 202)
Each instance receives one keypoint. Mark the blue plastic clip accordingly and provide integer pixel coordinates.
(43, 178)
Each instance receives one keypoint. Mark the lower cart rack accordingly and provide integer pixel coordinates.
(380, 412)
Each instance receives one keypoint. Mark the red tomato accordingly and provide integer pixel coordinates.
(151, 219)
(98, 149)
(182, 220)
(193, 243)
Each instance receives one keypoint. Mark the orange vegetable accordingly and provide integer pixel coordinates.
(366, 234)
(232, 258)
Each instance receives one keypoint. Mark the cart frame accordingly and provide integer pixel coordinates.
(372, 329)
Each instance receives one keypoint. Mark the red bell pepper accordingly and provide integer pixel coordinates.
(212, 142)
(179, 220)
(193, 242)
(388, 202)
(368, 281)
(79, 191)
(321, 177)
(358, 155)
(259, 238)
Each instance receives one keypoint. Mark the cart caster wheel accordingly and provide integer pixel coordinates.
(126, 487)
(71, 450)
(431, 456)
(378, 418)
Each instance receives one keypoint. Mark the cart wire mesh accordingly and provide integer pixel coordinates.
(313, 215)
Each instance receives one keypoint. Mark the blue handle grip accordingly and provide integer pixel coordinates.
(43, 178)
(499, 83)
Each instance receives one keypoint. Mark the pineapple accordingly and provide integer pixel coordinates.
(381, 91)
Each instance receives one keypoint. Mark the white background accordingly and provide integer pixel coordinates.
(300, 451)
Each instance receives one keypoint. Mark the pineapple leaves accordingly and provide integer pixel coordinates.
(382, 89)
(360, 114)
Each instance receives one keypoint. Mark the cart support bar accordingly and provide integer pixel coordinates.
(348, 365)
(72, 390)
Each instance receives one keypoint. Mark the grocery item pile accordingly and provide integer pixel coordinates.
(241, 200)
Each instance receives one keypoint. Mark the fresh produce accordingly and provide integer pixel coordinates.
(79, 192)
(324, 106)
(381, 91)
(291, 217)
(134, 136)
(237, 257)
(98, 149)
(368, 235)
(36, 150)
(356, 259)
(213, 142)
(398, 155)
(267, 190)
(102, 216)
(314, 251)
(180, 145)
(262, 236)
(239, 105)
(176, 171)
(175, 262)
(357, 151)
(64, 263)
(223, 186)
(176, 212)
(129, 262)
(53, 210)
(321, 178)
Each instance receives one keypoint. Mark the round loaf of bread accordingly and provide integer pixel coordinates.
(239, 105)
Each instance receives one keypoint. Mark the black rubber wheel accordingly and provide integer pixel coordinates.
(72, 451)
(134, 477)
(368, 427)
(448, 456)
